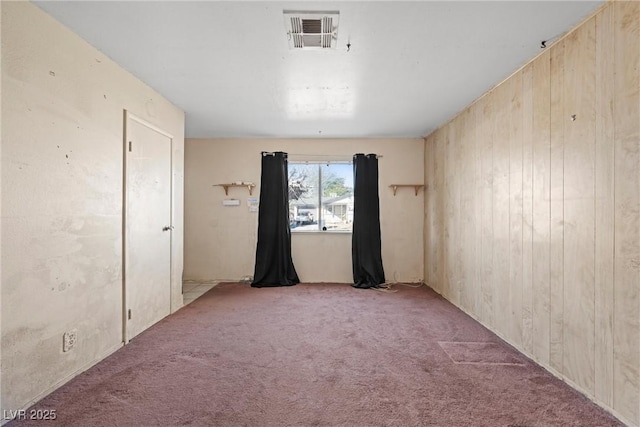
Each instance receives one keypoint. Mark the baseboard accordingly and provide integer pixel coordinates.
(207, 281)
(67, 378)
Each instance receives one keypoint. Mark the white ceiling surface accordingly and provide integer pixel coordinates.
(411, 66)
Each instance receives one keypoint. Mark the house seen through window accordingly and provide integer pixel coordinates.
(320, 196)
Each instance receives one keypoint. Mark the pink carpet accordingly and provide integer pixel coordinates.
(318, 355)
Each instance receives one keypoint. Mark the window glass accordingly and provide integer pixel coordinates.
(320, 196)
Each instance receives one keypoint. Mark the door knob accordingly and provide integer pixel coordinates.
(167, 228)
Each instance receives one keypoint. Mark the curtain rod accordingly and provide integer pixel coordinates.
(273, 153)
(378, 156)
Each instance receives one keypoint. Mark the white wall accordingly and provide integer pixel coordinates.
(220, 242)
(532, 214)
(62, 168)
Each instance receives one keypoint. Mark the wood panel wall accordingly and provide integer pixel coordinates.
(532, 209)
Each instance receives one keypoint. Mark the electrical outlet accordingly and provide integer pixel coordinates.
(69, 340)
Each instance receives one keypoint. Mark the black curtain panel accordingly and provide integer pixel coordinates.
(366, 242)
(274, 266)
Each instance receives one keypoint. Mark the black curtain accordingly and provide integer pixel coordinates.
(274, 266)
(366, 242)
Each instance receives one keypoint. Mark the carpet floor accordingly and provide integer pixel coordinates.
(318, 355)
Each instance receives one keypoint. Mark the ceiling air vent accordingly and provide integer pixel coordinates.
(311, 30)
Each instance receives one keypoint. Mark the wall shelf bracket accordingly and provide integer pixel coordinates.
(248, 186)
(416, 187)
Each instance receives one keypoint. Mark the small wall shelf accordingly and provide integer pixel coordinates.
(416, 187)
(249, 186)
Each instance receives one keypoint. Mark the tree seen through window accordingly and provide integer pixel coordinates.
(320, 196)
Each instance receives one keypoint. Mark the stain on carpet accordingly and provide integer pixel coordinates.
(481, 353)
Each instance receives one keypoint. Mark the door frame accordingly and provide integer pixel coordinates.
(129, 116)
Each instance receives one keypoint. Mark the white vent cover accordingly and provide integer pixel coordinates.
(311, 30)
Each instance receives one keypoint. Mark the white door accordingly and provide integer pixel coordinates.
(147, 226)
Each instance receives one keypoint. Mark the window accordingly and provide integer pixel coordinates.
(320, 196)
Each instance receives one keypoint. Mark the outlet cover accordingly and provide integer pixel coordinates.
(69, 340)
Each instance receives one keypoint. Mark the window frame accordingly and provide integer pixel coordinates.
(307, 161)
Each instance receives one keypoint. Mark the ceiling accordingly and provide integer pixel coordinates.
(410, 67)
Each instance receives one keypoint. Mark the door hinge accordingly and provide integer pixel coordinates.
(129, 314)
(130, 146)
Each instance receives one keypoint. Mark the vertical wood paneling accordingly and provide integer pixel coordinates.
(449, 284)
(462, 243)
(579, 206)
(476, 186)
(439, 150)
(537, 224)
(501, 247)
(452, 212)
(515, 283)
(604, 208)
(434, 219)
(541, 206)
(527, 208)
(468, 211)
(432, 265)
(458, 129)
(429, 214)
(627, 200)
(484, 121)
(556, 242)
